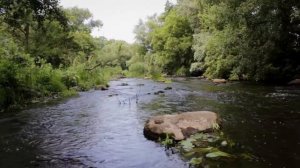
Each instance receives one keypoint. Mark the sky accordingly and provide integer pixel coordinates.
(118, 16)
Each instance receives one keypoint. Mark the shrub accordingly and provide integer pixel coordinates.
(137, 69)
(182, 72)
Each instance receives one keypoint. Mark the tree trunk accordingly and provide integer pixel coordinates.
(27, 33)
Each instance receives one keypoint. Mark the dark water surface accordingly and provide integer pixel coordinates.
(105, 128)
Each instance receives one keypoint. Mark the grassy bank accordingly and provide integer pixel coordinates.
(25, 82)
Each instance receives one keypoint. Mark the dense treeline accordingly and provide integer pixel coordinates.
(48, 51)
(233, 39)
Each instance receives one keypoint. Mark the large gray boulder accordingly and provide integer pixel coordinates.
(180, 126)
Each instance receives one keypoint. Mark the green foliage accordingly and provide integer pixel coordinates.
(81, 20)
(23, 16)
(174, 32)
(187, 144)
(205, 148)
(8, 82)
(49, 79)
(196, 161)
(137, 69)
(197, 68)
(69, 93)
(246, 40)
(167, 141)
(236, 40)
(217, 154)
(46, 50)
(216, 126)
(53, 45)
(165, 43)
(43, 56)
(70, 79)
(182, 71)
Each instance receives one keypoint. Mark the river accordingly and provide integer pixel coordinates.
(105, 128)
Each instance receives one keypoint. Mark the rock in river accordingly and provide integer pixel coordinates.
(180, 126)
(218, 81)
(168, 88)
(101, 87)
(159, 92)
(294, 82)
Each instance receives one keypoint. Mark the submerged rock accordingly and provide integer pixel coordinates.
(294, 82)
(111, 95)
(159, 92)
(180, 126)
(124, 84)
(168, 88)
(101, 87)
(218, 81)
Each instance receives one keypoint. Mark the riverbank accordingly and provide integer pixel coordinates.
(53, 85)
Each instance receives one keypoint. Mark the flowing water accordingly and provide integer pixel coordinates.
(105, 128)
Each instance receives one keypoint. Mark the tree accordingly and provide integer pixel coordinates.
(172, 43)
(82, 20)
(256, 40)
(54, 44)
(143, 31)
(81, 23)
(61, 55)
(115, 53)
(23, 15)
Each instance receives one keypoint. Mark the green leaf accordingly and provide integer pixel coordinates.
(198, 136)
(188, 154)
(215, 126)
(196, 161)
(247, 156)
(203, 150)
(217, 154)
(187, 145)
(168, 141)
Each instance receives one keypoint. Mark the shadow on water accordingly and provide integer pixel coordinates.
(105, 128)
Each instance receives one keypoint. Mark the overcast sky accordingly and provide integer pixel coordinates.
(119, 16)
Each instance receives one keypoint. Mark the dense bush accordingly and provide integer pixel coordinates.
(138, 69)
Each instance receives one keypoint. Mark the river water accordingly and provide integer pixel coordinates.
(105, 128)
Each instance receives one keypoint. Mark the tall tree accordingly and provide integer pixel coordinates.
(172, 43)
(82, 19)
(22, 15)
(251, 39)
